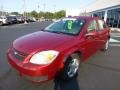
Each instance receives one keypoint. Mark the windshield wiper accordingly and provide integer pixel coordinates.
(53, 31)
(57, 32)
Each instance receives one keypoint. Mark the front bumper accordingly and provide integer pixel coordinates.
(35, 73)
(5, 22)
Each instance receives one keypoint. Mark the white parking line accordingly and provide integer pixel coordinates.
(113, 40)
(118, 45)
(115, 36)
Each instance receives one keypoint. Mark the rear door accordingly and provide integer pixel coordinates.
(103, 32)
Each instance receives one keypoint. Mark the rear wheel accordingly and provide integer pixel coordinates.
(105, 47)
(71, 67)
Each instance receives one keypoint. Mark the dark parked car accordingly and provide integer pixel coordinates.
(59, 49)
(12, 19)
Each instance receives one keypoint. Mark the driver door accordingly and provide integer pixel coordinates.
(91, 44)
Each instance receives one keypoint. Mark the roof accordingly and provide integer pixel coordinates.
(102, 4)
(96, 5)
(83, 17)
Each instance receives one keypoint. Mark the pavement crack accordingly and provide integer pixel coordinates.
(104, 67)
(1, 88)
(5, 75)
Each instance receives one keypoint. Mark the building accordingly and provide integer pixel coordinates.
(109, 10)
(3, 13)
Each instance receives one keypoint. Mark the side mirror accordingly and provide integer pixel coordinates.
(91, 35)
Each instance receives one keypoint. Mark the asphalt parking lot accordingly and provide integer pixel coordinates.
(100, 72)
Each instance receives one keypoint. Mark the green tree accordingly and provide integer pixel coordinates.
(41, 14)
(59, 14)
(49, 15)
(15, 13)
(34, 14)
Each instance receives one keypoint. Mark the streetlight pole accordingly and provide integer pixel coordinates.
(44, 7)
(2, 11)
(24, 7)
(38, 11)
(54, 8)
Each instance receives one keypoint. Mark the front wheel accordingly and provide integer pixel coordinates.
(71, 67)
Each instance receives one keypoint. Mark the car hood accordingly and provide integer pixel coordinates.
(41, 41)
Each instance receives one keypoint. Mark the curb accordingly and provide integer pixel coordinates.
(115, 29)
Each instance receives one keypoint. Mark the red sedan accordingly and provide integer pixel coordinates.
(59, 49)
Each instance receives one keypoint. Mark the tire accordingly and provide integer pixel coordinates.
(105, 47)
(10, 23)
(1, 23)
(71, 67)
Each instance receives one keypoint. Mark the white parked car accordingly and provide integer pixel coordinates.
(3, 20)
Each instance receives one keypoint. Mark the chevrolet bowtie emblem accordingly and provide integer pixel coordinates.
(15, 53)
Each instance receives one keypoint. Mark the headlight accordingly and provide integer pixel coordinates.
(44, 57)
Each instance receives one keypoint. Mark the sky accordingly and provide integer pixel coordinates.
(42, 5)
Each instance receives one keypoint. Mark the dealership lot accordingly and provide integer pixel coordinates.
(100, 72)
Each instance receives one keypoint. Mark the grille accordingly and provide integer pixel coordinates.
(19, 55)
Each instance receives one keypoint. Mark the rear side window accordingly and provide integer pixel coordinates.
(101, 24)
(92, 26)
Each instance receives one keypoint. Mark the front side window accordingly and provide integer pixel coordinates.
(66, 26)
(92, 26)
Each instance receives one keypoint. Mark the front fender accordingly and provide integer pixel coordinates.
(69, 52)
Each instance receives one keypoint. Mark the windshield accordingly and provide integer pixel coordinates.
(66, 26)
